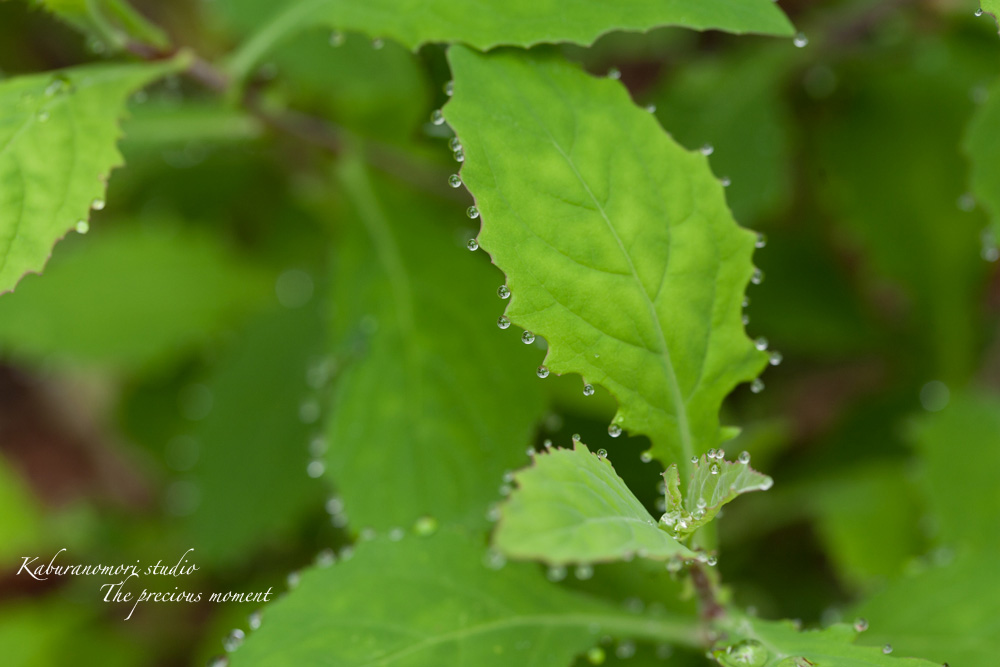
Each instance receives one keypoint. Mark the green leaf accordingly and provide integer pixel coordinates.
(489, 23)
(982, 146)
(111, 23)
(571, 507)
(947, 613)
(617, 243)
(753, 642)
(432, 601)
(260, 499)
(57, 147)
(130, 297)
(432, 402)
(992, 7)
(714, 483)
(960, 459)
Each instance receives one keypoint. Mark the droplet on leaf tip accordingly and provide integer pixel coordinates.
(542, 372)
(588, 390)
(527, 338)
(614, 430)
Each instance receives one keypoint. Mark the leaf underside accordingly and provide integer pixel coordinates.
(639, 292)
(571, 507)
(57, 146)
(485, 24)
(713, 484)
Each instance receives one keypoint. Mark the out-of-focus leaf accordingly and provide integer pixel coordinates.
(434, 401)
(960, 454)
(252, 447)
(758, 643)
(947, 613)
(20, 515)
(57, 146)
(155, 123)
(489, 23)
(904, 216)
(714, 483)
(571, 507)
(735, 106)
(991, 7)
(617, 243)
(130, 296)
(982, 146)
(109, 22)
(432, 601)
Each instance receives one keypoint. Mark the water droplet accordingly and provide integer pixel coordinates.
(542, 372)
(745, 319)
(437, 117)
(334, 505)
(979, 12)
(449, 88)
(761, 240)
(233, 640)
(760, 343)
(377, 43)
(614, 73)
(293, 579)
(757, 386)
(861, 624)
(583, 572)
(602, 453)
(775, 358)
(82, 227)
(315, 468)
(625, 650)
(472, 245)
(725, 181)
(455, 181)
(493, 513)
(887, 649)
(503, 293)
(651, 108)
(800, 40)
(325, 558)
(396, 534)
(336, 38)
(614, 430)
(494, 560)
(576, 437)
(97, 204)
(694, 460)
(645, 457)
(596, 656)
(454, 144)
(527, 338)
(746, 301)
(707, 149)
(218, 661)
(747, 653)
(254, 620)
(503, 322)
(714, 469)
(556, 573)
(990, 254)
(547, 444)
(720, 453)
(711, 561)
(758, 277)
(425, 526)
(744, 457)
(588, 390)
(309, 411)
(459, 155)
(472, 212)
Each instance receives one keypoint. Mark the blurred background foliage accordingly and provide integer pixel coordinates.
(163, 383)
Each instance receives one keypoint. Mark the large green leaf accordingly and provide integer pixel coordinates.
(982, 146)
(946, 613)
(714, 483)
(960, 455)
(752, 642)
(432, 404)
(240, 507)
(57, 147)
(485, 24)
(617, 243)
(571, 507)
(432, 601)
(130, 296)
